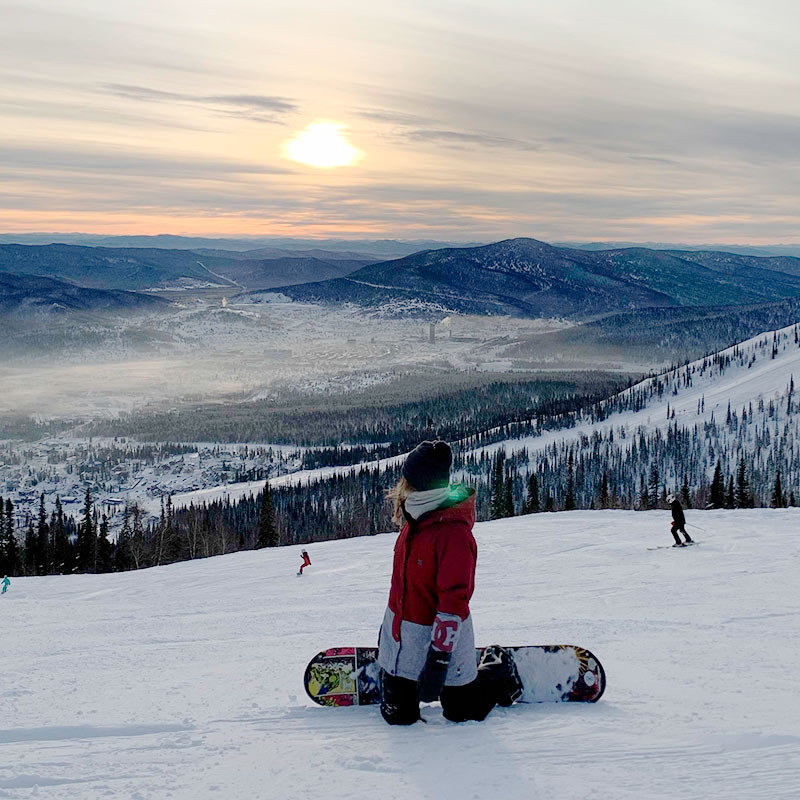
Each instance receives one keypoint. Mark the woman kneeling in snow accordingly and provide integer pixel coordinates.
(426, 647)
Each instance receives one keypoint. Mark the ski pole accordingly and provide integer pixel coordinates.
(696, 526)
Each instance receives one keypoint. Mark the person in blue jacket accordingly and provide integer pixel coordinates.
(6, 584)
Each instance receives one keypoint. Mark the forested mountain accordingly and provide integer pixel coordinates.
(525, 277)
(723, 432)
(522, 277)
(265, 273)
(740, 249)
(278, 246)
(676, 333)
(103, 267)
(390, 417)
(25, 294)
(152, 268)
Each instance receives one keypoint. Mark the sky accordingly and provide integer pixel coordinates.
(575, 120)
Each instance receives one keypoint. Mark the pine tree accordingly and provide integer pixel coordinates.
(42, 540)
(509, 510)
(603, 494)
(61, 546)
(653, 486)
(103, 548)
(86, 535)
(744, 498)
(29, 549)
(268, 534)
(532, 500)
(3, 555)
(778, 499)
(644, 500)
(123, 560)
(730, 499)
(137, 541)
(498, 487)
(717, 496)
(685, 494)
(569, 496)
(13, 555)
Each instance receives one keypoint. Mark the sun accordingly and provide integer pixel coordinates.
(322, 144)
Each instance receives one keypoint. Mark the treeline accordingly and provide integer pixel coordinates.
(496, 412)
(750, 457)
(591, 473)
(45, 547)
(684, 334)
(400, 413)
(60, 545)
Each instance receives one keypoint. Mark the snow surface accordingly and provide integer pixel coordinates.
(185, 681)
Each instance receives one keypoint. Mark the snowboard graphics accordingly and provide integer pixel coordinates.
(560, 673)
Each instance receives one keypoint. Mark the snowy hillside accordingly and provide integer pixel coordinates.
(760, 368)
(185, 681)
(753, 378)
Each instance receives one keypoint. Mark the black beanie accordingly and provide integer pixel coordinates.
(428, 466)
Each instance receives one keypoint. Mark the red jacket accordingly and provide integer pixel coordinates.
(434, 565)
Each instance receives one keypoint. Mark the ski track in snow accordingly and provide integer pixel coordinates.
(185, 681)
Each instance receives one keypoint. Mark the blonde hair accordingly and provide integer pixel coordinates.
(398, 494)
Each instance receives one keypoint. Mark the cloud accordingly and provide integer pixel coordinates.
(397, 117)
(27, 159)
(258, 108)
(462, 139)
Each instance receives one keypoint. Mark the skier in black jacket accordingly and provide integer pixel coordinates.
(678, 521)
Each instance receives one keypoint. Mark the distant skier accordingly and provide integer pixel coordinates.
(426, 644)
(678, 521)
(6, 584)
(306, 562)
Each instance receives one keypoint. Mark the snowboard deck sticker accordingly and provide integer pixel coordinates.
(559, 673)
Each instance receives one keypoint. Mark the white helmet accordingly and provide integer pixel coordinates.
(670, 498)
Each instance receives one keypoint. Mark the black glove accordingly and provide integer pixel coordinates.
(432, 677)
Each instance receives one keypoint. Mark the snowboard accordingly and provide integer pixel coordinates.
(553, 673)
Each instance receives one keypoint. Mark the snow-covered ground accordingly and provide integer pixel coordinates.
(185, 681)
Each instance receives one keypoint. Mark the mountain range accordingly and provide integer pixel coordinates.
(131, 268)
(369, 249)
(33, 293)
(520, 277)
(526, 277)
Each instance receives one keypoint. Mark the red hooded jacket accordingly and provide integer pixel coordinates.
(434, 565)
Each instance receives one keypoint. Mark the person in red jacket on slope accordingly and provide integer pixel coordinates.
(426, 645)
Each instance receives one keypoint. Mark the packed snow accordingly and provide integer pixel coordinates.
(185, 681)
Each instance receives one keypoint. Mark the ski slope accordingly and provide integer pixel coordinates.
(760, 377)
(185, 681)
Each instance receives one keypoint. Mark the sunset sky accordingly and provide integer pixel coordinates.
(674, 120)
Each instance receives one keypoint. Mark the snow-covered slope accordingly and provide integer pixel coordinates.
(760, 368)
(754, 375)
(185, 681)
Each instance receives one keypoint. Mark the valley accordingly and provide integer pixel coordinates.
(218, 389)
